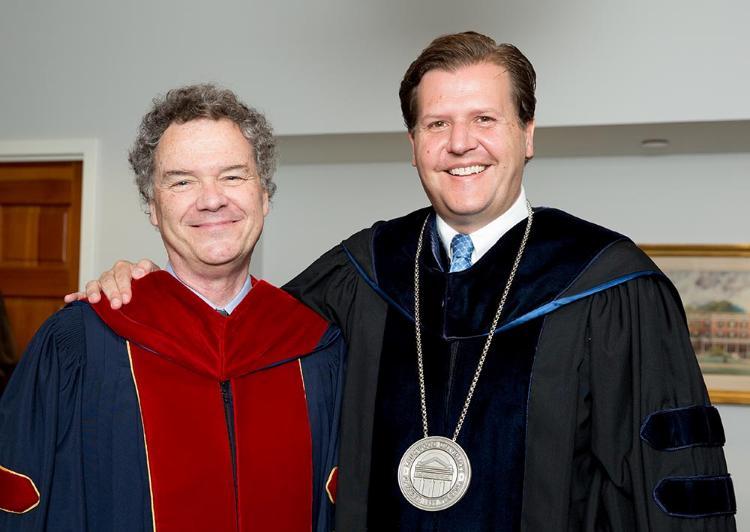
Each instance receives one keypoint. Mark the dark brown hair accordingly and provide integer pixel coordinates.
(451, 52)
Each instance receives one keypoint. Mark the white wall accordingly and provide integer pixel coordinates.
(737, 430)
(88, 68)
(94, 64)
(677, 199)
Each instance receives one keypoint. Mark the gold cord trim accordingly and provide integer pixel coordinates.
(302, 376)
(145, 442)
(328, 483)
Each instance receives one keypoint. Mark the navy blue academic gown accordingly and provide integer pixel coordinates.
(168, 415)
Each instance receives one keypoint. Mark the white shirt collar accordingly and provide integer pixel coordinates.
(229, 307)
(486, 237)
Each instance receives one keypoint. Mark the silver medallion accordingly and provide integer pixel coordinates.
(434, 473)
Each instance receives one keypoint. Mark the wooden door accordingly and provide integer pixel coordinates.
(40, 220)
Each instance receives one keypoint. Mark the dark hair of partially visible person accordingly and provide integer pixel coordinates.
(7, 349)
(451, 52)
(194, 102)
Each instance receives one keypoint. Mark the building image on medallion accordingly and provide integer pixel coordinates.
(433, 477)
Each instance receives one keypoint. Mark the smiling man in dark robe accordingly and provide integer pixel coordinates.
(209, 403)
(511, 368)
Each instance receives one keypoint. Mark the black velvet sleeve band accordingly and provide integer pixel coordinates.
(696, 497)
(680, 428)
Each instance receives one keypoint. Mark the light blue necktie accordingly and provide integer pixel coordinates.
(461, 249)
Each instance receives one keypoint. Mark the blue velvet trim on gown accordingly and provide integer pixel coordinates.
(680, 428)
(696, 497)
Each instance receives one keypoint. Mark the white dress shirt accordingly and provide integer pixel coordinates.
(229, 307)
(486, 237)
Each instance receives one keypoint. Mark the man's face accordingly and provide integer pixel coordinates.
(208, 204)
(469, 147)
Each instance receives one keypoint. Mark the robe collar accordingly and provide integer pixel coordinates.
(463, 304)
(230, 306)
(268, 327)
(485, 237)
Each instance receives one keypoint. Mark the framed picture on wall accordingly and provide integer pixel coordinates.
(714, 284)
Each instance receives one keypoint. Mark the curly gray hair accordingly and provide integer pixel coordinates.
(192, 102)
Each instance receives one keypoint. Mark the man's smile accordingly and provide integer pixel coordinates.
(212, 224)
(467, 170)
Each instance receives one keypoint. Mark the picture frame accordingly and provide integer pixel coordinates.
(714, 283)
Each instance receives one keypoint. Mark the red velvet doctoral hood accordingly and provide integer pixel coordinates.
(167, 318)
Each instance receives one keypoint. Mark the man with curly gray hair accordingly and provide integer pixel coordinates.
(193, 102)
(209, 403)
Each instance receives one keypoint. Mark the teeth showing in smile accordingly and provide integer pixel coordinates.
(467, 170)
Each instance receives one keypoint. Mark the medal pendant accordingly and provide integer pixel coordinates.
(434, 473)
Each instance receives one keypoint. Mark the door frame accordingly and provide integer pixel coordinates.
(85, 150)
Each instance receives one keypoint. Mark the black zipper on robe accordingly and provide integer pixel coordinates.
(226, 395)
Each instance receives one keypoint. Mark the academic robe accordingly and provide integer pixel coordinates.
(167, 415)
(590, 413)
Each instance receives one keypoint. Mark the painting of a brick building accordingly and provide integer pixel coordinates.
(715, 291)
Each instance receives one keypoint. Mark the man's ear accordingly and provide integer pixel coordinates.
(266, 203)
(529, 134)
(413, 149)
(152, 214)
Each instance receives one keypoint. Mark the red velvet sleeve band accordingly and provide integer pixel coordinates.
(18, 494)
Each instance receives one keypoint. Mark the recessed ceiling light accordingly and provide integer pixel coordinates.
(654, 144)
